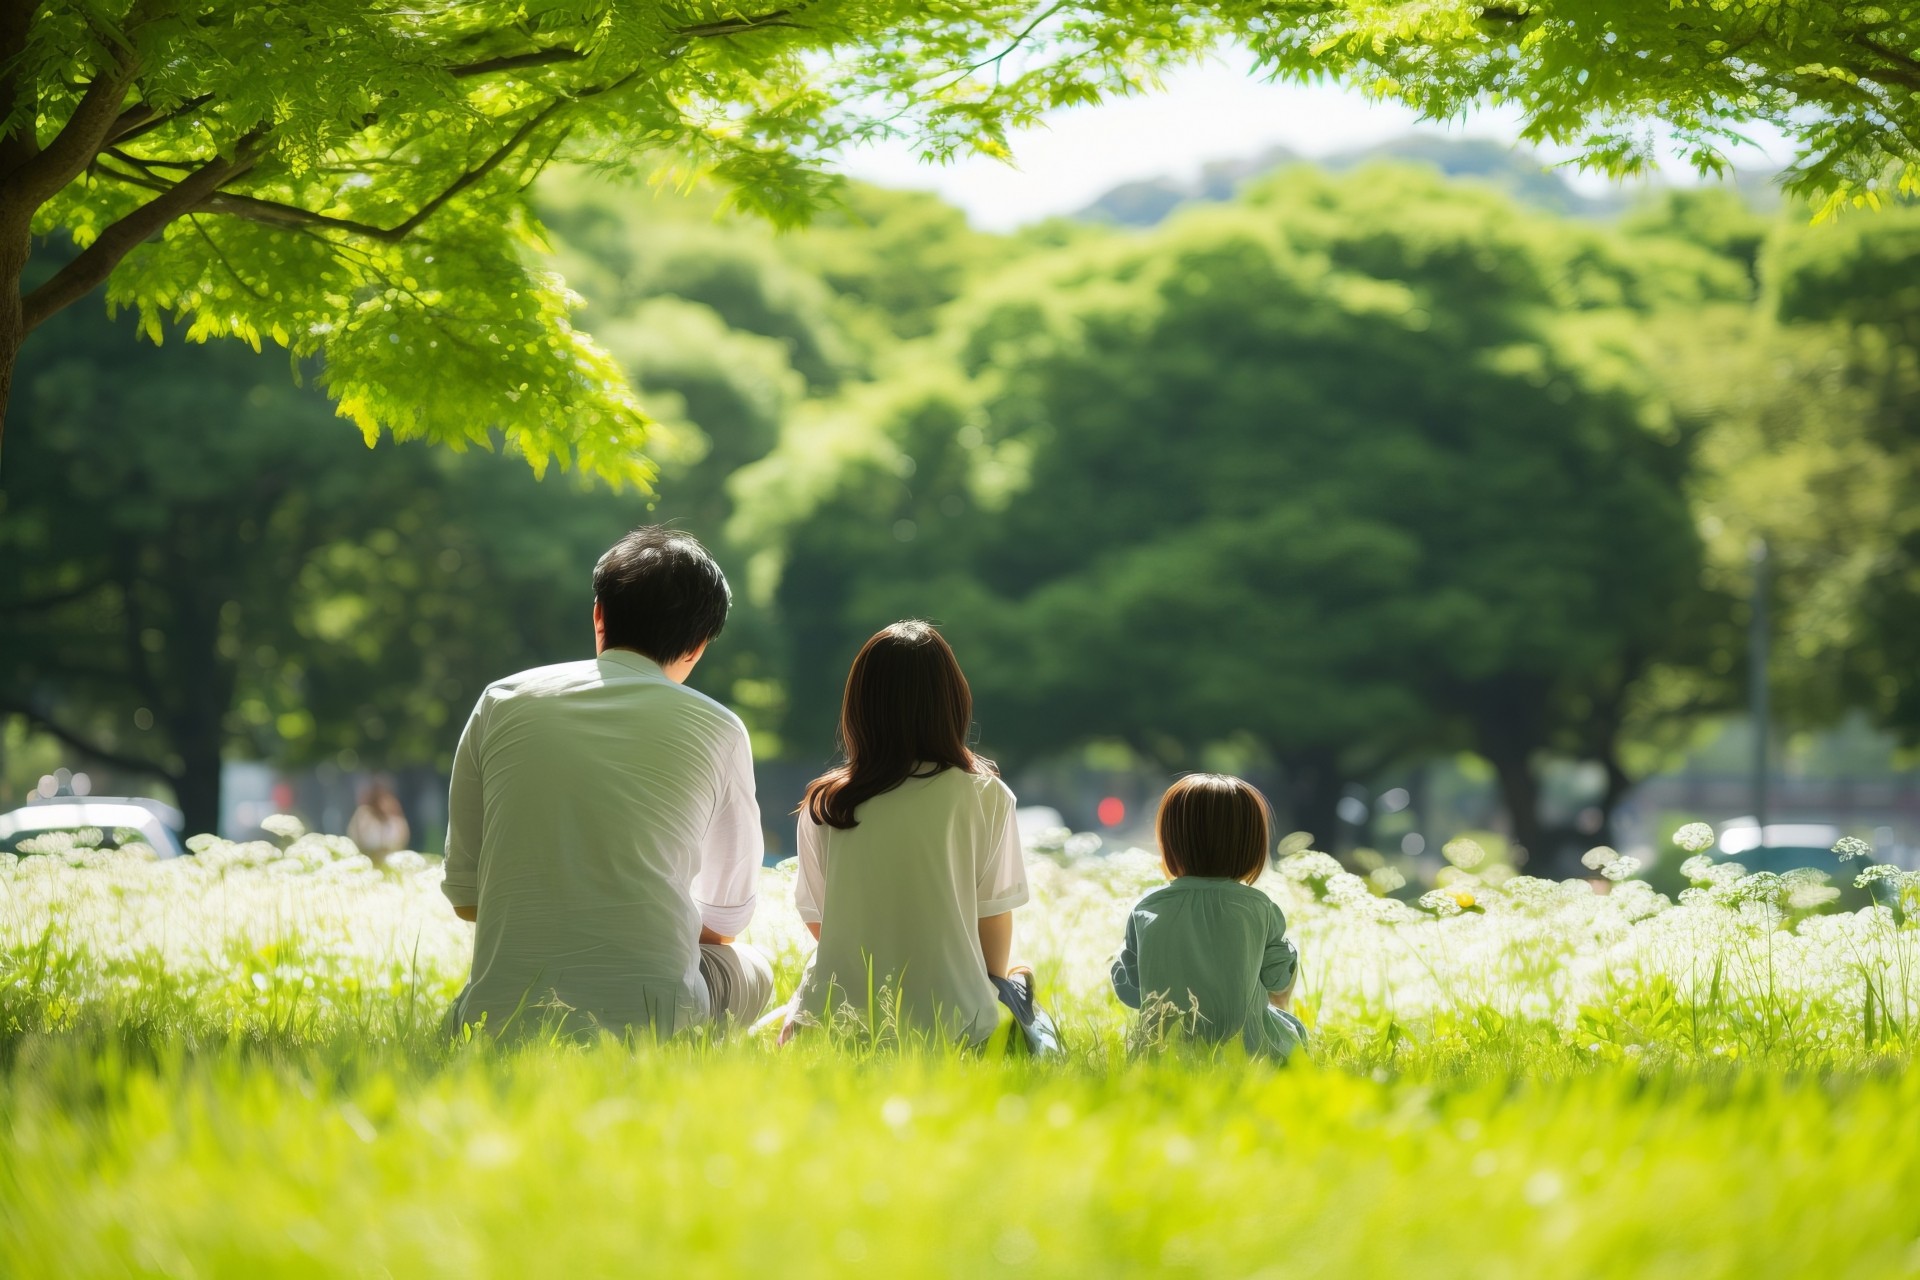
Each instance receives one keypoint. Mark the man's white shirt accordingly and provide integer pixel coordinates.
(599, 814)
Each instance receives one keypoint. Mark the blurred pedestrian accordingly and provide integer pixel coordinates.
(379, 825)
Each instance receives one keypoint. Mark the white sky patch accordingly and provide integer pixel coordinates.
(1214, 111)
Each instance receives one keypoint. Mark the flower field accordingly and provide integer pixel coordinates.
(233, 1065)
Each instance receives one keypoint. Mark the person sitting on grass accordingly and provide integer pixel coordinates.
(1208, 952)
(910, 864)
(602, 827)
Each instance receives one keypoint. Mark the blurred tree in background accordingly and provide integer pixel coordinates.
(196, 563)
(1355, 470)
(1814, 394)
(1344, 475)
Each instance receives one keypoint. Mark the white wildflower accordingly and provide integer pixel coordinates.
(1694, 837)
(1621, 868)
(283, 826)
(1083, 845)
(1291, 843)
(1598, 858)
(1311, 866)
(1344, 889)
(1851, 847)
(1386, 879)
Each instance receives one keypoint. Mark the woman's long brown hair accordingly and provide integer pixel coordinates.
(906, 714)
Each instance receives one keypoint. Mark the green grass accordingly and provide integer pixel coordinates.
(736, 1162)
(232, 1068)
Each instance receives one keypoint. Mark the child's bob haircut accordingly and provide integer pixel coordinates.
(1214, 825)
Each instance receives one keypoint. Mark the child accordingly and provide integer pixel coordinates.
(1208, 950)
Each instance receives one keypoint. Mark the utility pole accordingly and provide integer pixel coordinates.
(1757, 692)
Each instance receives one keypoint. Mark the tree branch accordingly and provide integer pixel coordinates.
(95, 263)
(54, 601)
(736, 26)
(41, 177)
(132, 764)
(273, 211)
(200, 190)
(140, 118)
(1905, 70)
(19, 99)
(515, 61)
(475, 174)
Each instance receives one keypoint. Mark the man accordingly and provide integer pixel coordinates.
(602, 829)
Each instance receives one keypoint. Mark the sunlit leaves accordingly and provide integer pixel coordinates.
(377, 223)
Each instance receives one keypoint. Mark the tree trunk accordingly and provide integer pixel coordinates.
(1311, 794)
(1619, 782)
(202, 685)
(1520, 796)
(14, 247)
(17, 147)
(198, 737)
(197, 788)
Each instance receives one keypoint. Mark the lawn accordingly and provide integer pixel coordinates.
(231, 1065)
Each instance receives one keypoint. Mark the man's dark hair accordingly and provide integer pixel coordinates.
(660, 593)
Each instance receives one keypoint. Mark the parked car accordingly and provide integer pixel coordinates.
(1789, 846)
(102, 822)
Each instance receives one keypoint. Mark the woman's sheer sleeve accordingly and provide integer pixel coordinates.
(1001, 884)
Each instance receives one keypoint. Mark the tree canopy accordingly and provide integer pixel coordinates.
(1341, 476)
(348, 180)
(1839, 78)
(1354, 469)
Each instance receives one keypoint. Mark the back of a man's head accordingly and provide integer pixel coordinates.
(660, 593)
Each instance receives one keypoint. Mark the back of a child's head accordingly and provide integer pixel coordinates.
(1214, 825)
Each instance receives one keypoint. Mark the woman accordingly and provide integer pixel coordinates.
(910, 862)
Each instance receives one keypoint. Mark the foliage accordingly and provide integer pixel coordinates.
(1839, 78)
(193, 562)
(1813, 401)
(1357, 468)
(347, 180)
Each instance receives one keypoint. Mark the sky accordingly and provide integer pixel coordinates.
(1215, 111)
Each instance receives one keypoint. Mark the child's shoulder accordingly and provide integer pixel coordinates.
(1160, 896)
(1217, 889)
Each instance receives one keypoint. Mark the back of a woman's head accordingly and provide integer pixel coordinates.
(1214, 825)
(906, 712)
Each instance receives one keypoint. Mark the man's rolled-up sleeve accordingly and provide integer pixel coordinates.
(728, 881)
(466, 808)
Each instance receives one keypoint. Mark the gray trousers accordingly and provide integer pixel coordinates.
(739, 982)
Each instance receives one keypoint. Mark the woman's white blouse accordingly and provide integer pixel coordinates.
(899, 898)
